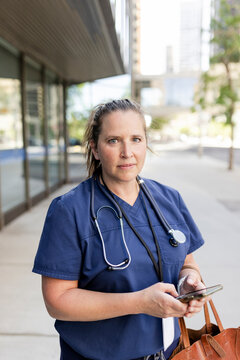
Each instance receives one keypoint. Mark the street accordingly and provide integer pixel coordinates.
(219, 153)
(212, 194)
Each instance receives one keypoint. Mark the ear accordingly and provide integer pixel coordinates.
(94, 149)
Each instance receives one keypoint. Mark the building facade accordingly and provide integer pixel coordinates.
(44, 48)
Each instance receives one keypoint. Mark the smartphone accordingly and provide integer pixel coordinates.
(199, 294)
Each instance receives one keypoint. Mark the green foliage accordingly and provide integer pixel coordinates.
(76, 126)
(226, 96)
(225, 28)
(200, 98)
(186, 131)
(158, 123)
(76, 120)
(218, 128)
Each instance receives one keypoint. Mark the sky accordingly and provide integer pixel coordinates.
(159, 28)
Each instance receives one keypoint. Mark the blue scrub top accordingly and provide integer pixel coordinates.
(70, 248)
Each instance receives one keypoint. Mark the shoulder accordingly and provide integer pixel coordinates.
(158, 189)
(73, 198)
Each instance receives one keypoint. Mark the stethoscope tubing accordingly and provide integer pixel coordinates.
(124, 264)
(148, 195)
(109, 198)
(154, 204)
(176, 236)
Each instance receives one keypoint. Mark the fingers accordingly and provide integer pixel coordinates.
(190, 280)
(172, 306)
(159, 300)
(194, 307)
(169, 288)
(179, 307)
(191, 283)
(194, 283)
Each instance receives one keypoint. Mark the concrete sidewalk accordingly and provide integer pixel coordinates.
(213, 197)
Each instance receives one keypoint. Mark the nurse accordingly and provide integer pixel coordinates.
(128, 310)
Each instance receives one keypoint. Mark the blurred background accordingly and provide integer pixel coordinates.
(58, 59)
(180, 59)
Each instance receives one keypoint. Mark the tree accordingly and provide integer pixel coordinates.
(158, 123)
(77, 114)
(225, 29)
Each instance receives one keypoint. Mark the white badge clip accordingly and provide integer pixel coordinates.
(168, 332)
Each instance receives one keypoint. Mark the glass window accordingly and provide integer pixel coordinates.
(34, 120)
(61, 134)
(12, 178)
(53, 121)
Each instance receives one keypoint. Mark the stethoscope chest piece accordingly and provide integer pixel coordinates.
(173, 242)
(177, 237)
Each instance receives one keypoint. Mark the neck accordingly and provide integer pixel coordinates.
(127, 191)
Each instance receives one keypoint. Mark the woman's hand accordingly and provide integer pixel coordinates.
(192, 283)
(159, 300)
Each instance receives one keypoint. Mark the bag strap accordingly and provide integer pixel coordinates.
(210, 343)
(207, 318)
(215, 313)
(184, 332)
(216, 316)
(206, 314)
(183, 328)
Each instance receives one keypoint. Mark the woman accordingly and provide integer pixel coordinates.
(109, 268)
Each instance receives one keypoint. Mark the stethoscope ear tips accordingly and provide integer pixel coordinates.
(173, 242)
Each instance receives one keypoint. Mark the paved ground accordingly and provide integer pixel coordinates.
(211, 193)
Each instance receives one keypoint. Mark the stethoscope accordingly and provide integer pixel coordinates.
(176, 237)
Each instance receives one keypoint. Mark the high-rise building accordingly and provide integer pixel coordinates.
(135, 48)
(136, 36)
(169, 59)
(190, 35)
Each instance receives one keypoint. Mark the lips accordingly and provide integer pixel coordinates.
(126, 166)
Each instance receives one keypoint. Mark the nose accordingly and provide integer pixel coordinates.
(126, 151)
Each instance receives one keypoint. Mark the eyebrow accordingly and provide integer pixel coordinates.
(118, 137)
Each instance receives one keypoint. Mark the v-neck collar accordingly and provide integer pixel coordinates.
(133, 209)
(128, 207)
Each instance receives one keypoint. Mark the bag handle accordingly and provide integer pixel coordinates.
(216, 316)
(183, 328)
(215, 313)
(210, 343)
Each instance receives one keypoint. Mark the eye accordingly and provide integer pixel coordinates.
(112, 141)
(137, 139)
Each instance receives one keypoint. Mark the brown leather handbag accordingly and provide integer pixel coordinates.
(211, 342)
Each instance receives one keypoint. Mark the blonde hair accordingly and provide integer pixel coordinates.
(93, 128)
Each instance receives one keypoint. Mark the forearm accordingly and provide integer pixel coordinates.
(85, 305)
(65, 301)
(190, 267)
(190, 270)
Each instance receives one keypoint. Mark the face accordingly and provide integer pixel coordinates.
(121, 146)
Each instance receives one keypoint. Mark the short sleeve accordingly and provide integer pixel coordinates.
(59, 253)
(196, 239)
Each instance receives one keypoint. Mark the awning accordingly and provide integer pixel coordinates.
(75, 38)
